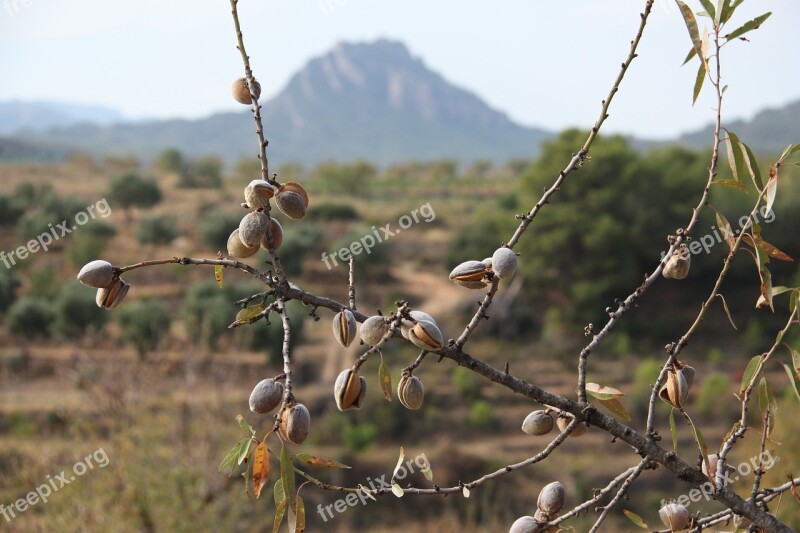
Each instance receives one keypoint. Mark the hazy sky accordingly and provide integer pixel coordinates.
(545, 63)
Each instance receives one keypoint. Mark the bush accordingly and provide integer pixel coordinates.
(358, 437)
(298, 241)
(207, 311)
(10, 210)
(377, 257)
(157, 230)
(466, 383)
(332, 212)
(44, 282)
(716, 386)
(89, 243)
(48, 211)
(205, 172)
(30, 318)
(76, 311)
(8, 287)
(480, 416)
(144, 324)
(171, 160)
(132, 190)
(217, 227)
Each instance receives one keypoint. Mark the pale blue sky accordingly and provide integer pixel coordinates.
(545, 63)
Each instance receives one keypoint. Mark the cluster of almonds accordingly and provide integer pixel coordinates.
(111, 289)
(551, 500)
(541, 423)
(677, 266)
(295, 420)
(679, 380)
(420, 329)
(477, 274)
(256, 226)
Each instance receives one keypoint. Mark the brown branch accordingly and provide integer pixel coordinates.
(645, 463)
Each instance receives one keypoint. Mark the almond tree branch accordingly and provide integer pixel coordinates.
(599, 495)
(575, 163)
(645, 463)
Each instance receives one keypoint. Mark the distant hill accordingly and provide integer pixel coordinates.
(16, 115)
(369, 100)
(767, 132)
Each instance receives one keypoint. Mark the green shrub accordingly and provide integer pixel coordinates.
(89, 243)
(357, 437)
(144, 323)
(76, 311)
(10, 210)
(157, 230)
(298, 242)
(332, 212)
(466, 382)
(8, 287)
(30, 318)
(480, 416)
(716, 386)
(132, 190)
(205, 172)
(217, 227)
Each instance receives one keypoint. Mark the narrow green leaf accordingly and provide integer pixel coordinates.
(698, 82)
(701, 442)
(636, 519)
(300, 524)
(280, 512)
(723, 11)
(319, 461)
(673, 428)
(617, 408)
(724, 226)
(602, 392)
(230, 458)
(247, 428)
(244, 450)
(278, 493)
(772, 251)
(793, 380)
(689, 56)
(691, 26)
(709, 7)
(248, 313)
(752, 166)
(735, 156)
(730, 183)
(287, 475)
(748, 26)
(795, 360)
(749, 373)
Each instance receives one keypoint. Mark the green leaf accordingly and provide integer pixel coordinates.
(673, 428)
(385, 380)
(278, 493)
(636, 519)
(247, 428)
(772, 251)
(691, 26)
(795, 360)
(689, 56)
(318, 461)
(617, 408)
(749, 373)
(244, 450)
(752, 166)
(602, 392)
(300, 520)
(724, 226)
(730, 183)
(748, 26)
(793, 380)
(230, 458)
(698, 82)
(287, 475)
(701, 442)
(280, 512)
(248, 313)
(766, 400)
(735, 156)
(218, 275)
(709, 7)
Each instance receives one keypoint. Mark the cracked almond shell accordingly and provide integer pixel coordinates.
(349, 390)
(111, 296)
(295, 423)
(258, 193)
(410, 392)
(470, 274)
(426, 335)
(293, 186)
(406, 325)
(344, 327)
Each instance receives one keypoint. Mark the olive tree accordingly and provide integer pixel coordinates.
(595, 407)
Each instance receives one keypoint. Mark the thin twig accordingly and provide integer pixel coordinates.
(351, 289)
